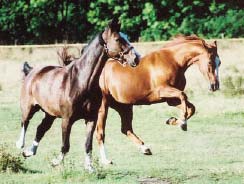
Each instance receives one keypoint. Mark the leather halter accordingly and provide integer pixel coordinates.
(121, 54)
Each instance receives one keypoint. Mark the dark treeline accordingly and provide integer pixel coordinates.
(72, 21)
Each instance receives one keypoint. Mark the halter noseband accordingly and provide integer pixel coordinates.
(120, 59)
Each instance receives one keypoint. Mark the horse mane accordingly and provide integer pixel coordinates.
(178, 39)
(65, 58)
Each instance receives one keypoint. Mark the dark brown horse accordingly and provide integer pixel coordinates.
(159, 77)
(71, 92)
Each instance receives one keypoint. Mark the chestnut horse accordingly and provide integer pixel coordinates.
(159, 77)
(71, 92)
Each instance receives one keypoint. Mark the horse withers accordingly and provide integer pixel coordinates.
(159, 77)
(71, 92)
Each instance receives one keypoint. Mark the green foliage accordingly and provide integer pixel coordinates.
(50, 21)
(233, 85)
(9, 162)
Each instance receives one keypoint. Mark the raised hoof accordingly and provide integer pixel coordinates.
(171, 121)
(183, 127)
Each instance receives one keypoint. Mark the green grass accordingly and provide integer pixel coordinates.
(210, 152)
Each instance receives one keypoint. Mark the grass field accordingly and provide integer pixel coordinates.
(211, 151)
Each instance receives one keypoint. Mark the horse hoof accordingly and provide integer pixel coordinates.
(90, 169)
(19, 145)
(171, 121)
(148, 152)
(27, 153)
(183, 127)
(55, 162)
(58, 160)
(145, 150)
(107, 162)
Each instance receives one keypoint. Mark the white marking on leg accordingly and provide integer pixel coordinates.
(21, 142)
(88, 162)
(181, 122)
(31, 150)
(104, 159)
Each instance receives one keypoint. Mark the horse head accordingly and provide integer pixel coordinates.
(116, 46)
(209, 63)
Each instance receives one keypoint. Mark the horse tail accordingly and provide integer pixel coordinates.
(64, 57)
(26, 68)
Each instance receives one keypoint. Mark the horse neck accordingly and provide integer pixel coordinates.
(184, 53)
(89, 66)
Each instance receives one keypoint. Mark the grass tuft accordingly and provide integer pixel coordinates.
(10, 162)
(233, 85)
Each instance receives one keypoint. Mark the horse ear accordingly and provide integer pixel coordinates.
(215, 43)
(114, 24)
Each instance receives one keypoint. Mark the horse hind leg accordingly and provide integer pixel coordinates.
(27, 114)
(126, 114)
(44, 126)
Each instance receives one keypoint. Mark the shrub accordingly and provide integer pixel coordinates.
(9, 162)
(233, 85)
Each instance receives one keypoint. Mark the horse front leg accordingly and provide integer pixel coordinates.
(90, 127)
(171, 94)
(126, 114)
(190, 110)
(66, 129)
